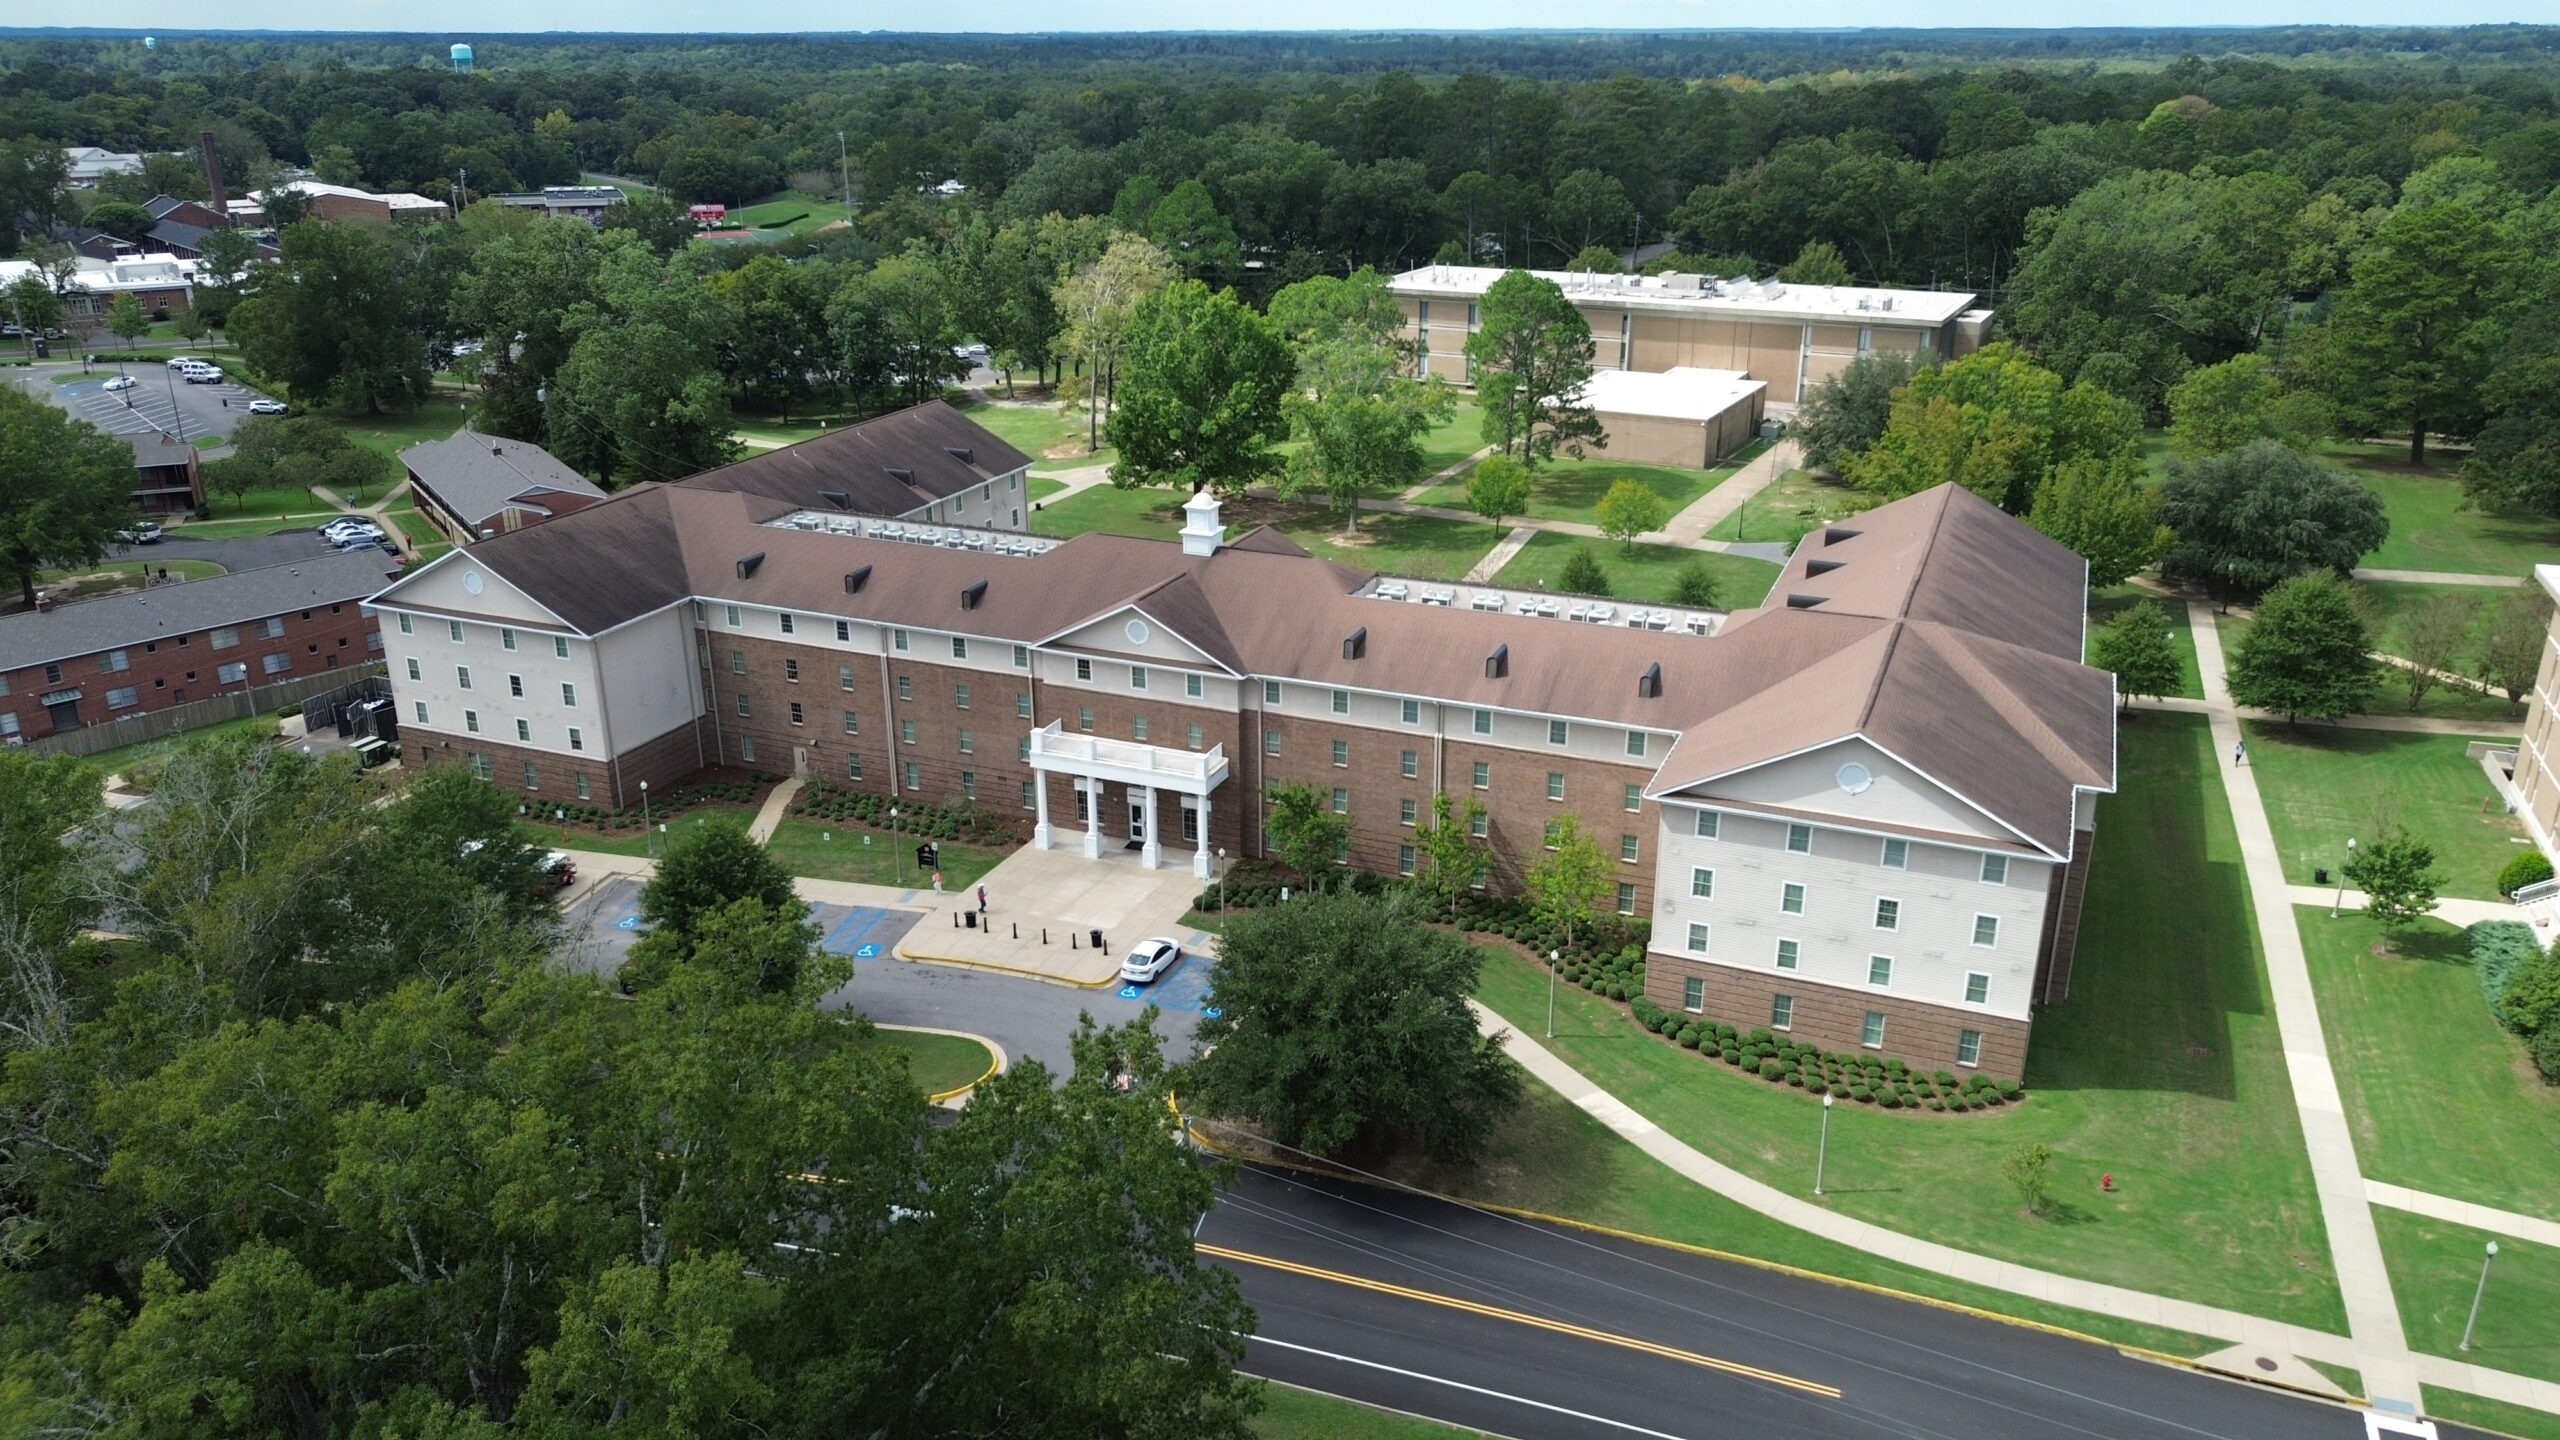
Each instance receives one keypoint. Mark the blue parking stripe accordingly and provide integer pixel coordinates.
(841, 942)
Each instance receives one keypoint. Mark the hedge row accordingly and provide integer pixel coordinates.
(1596, 940)
(823, 800)
(1888, 1083)
(2521, 982)
(736, 790)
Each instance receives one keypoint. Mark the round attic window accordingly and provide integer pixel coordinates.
(1136, 630)
(1853, 777)
(471, 581)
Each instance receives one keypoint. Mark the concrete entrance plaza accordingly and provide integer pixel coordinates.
(1069, 896)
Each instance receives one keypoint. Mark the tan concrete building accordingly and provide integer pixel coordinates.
(2536, 771)
(1861, 813)
(1790, 337)
(1682, 416)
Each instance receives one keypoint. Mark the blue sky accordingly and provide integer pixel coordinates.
(491, 17)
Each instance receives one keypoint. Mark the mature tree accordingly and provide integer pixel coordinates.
(34, 306)
(1582, 574)
(1356, 410)
(916, 312)
(1098, 300)
(640, 395)
(43, 904)
(1308, 832)
(1847, 413)
(2250, 518)
(1186, 226)
(1533, 352)
(33, 172)
(2306, 655)
(1322, 310)
(521, 296)
(296, 452)
(2101, 508)
(335, 316)
(658, 219)
(2517, 459)
(1200, 404)
(1497, 488)
(122, 219)
(2137, 647)
(1452, 861)
(223, 258)
(2223, 407)
(1629, 509)
(1588, 208)
(2397, 873)
(1596, 260)
(1695, 584)
(1818, 263)
(65, 490)
(2434, 639)
(1343, 1020)
(1570, 882)
(189, 324)
(2421, 321)
(125, 319)
(2513, 632)
(705, 869)
(1994, 422)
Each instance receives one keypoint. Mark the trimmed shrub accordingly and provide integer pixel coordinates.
(1861, 1094)
(1937, 1104)
(1839, 1091)
(2498, 948)
(2531, 1001)
(1730, 1055)
(2529, 868)
(1688, 1037)
(1771, 1070)
(1889, 1098)
(2546, 1053)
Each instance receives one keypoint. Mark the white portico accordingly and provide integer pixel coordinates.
(1090, 762)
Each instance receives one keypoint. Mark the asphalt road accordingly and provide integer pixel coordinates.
(1534, 1330)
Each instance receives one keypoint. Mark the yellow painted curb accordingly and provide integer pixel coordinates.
(1781, 1267)
(920, 958)
(994, 1049)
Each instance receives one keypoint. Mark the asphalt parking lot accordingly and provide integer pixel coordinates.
(245, 552)
(160, 401)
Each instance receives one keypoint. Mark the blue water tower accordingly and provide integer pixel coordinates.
(462, 59)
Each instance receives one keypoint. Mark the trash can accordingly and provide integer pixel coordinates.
(969, 919)
(1097, 939)
(2320, 875)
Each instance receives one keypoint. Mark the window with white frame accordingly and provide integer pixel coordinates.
(1022, 704)
(1693, 993)
(1626, 897)
(1270, 692)
(524, 730)
(1404, 859)
(1084, 668)
(1968, 1047)
(1341, 702)
(1995, 869)
(1635, 742)
(421, 707)
(1782, 1011)
(569, 694)
(1481, 775)
(1409, 764)
(275, 664)
(506, 638)
(1888, 914)
(1411, 712)
(461, 677)
(1341, 752)
(1137, 677)
(1880, 971)
(1800, 839)
(124, 697)
(1193, 687)
(1484, 722)
(1137, 727)
(1897, 855)
(413, 669)
(1977, 988)
(1791, 898)
(232, 671)
(1986, 930)
(1341, 801)
(747, 748)
(959, 697)
(1632, 800)
(844, 677)
(405, 627)
(1710, 824)
(906, 732)
(959, 647)
(1697, 939)
(560, 651)
(578, 738)
(1790, 954)
(1270, 742)
(1021, 657)
(898, 641)
(1477, 823)
(1407, 810)
(1555, 784)
(734, 620)
(1871, 1032)
(471, 721)
(1558, 732)
(1192, 735)
(515, 687)
(453, 631)
(1702, 883)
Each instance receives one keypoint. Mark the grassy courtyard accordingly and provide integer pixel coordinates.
(634, 842)
(2163, 1069)
(1144, 511)
(1419, 545)
(2323, 784)
(1789, 506)
(1647, 575)
(939, 1064)
(2105, 605)
(1054, 439)
(836, 851)
(1566, 489)
(2435, 1267)
(2431, 526)
(2441, 1097)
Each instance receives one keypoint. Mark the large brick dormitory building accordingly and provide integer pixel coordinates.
(1861, 812)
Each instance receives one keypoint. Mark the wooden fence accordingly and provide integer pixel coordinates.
(196, 714)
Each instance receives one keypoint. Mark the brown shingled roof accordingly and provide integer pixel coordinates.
(1949, 556)
(860, 461)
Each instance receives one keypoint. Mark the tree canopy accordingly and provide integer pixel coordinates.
(2306, 655)
(65, 490)
(2253, 517)
(1532, 352)
(1201, 402)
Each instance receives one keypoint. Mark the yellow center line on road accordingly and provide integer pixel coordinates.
(1517, 1317)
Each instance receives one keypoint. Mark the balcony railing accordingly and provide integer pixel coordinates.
(1075, 750)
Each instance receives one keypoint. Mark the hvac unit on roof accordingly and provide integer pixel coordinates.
(1498, 664)
(853, 579)
(747, 567)
(1356, 644)
(1649, 684)
(972, 595)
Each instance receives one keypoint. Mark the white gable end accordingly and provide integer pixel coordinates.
(449, 585)
(1131, 631)
(1891, 792)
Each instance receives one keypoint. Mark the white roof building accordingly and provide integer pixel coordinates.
(88, 164)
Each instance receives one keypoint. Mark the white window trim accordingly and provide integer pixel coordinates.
(1872, 983)
(1699, 936)
(1985, 977)
(1978, 942)
(1778, 953)
(1877, 915)
(1803, 894)
(1884, 853)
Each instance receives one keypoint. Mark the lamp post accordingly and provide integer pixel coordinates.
(2483, 1289)
(1554, 963)
(1822, 1147)
(2335, 900)
(897, 862)
(648, 831)
(1222, 884)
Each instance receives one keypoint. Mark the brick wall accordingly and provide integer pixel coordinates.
(173, 669)
(664, 761)
(1833, 1017)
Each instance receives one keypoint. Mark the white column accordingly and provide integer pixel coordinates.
(1092, 816)
(1151, 850)
(1200, 856)
(1040, 806)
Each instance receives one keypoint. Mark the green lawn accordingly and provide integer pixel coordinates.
(1647, 575)
(261, 502)
(2435, 1268)
(1568, 489)
(2163, 1068)
(388, 435)
(627, 189)
(2491, 1415)
(1289, 1413)
(1038, 430)
(2490, 712)
(1453, 439)
(1144, 511)
(635, 842)
(2323, 784)
(111, 761)
(2442, 1098)
(837, 851)
(416, 526)
(1042, 488)
(790, 215)
(2388, 606)
(2431, 529)
(407, 499)
(1423, 546)
(2106, 604)
(1792, 504)
(939, 1063)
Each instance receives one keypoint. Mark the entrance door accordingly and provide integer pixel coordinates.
(65, 713)
(1137, 823)
(799, 759)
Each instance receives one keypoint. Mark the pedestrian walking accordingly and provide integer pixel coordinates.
(982, 900)
(2239, 752)
(937, 882)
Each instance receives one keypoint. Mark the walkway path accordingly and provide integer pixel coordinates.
(378, 512)
(2355, 1248)
(2417, 724)
(1500, 555)
(2441, 577)
(2463, 1212)
(1690, 526)
(776, 805)
(1445, 476)
(2449, 909)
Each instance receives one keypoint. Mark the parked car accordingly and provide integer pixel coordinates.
(557, 873)
(1149, 959)
(145, 533)
(120, 382)
(205, 376)
(181, 362)
(264, 406)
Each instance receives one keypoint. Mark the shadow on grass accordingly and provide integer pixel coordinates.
(2429, 946)
(2167, 952)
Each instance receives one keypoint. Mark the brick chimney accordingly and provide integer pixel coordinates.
(213, 174)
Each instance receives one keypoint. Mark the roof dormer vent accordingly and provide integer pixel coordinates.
(1805, 602)
(1649, 684)
(1822, 567)
(900, 474)
(853, 580)
(837, 498)
(1833, 535)
(960, 453)
(1356, 644)
(1498, 664)
(973, 596)
(747, 567)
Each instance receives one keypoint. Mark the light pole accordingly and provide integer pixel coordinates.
(2334, 900)
(1554, 959)
(897, 862)
(2477, 1293)
(648, 831)
(1822, 1148)
(1222, 884)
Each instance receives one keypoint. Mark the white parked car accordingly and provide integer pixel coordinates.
(120, 382)
(201, 375)
(1149, 959)
(264, 406)
(181, 362)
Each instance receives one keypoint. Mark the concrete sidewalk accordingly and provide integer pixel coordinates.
(2449, 909)
(2381, 1347)
(2443, 577)
(1691, 525)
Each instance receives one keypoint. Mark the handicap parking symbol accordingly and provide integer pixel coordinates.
(1130, 992)
(627, 922)
(1211, 1012)
(865, 952)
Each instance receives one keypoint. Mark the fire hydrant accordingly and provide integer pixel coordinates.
(2107, 1183)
